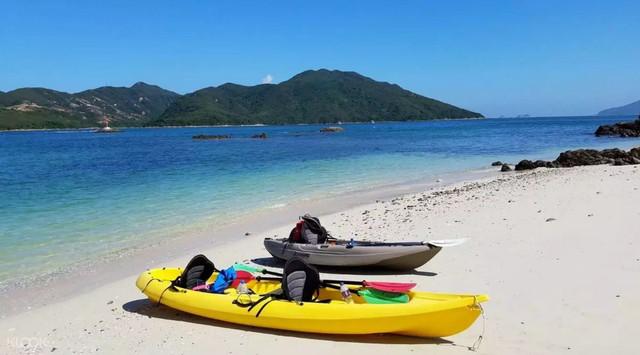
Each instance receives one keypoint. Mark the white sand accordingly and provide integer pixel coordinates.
(568, 285)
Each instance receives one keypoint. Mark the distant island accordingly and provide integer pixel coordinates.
(36, 108)
(313, 96)
(626, 110)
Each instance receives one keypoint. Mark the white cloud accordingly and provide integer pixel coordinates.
(267, 79)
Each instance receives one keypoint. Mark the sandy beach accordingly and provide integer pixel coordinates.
(556, 249)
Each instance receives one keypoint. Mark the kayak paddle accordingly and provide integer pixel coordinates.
(247, 268)
(380, 297)
(397, 287)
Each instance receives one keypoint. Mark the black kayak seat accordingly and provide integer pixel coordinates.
(197, 272)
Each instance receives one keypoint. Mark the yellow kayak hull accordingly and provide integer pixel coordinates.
(430, 315)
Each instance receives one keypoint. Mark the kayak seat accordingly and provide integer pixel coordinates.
(308, 231)
(197, 272)
(300, 283)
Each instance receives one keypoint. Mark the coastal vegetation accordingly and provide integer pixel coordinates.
(314, 96)
(40, 118)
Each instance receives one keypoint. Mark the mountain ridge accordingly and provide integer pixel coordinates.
(624, 110)
(312, 96)
(38, 107)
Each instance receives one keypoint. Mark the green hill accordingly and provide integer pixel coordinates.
(41, 118)
(314, 96)
(318, 96)
(30, 108)
(140, 102)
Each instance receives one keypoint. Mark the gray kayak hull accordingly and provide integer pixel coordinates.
(396, 256)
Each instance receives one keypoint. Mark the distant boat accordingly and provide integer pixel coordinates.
(373, 122)
(106, 128)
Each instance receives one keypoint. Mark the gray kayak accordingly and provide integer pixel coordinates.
(342, 253)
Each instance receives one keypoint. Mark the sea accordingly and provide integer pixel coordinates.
(70, 195)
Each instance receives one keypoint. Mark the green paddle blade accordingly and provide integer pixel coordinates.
(381, 297)
(247, 268)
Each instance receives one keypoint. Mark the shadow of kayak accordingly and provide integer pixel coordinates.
(149, 309)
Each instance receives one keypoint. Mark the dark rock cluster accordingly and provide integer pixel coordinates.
(622, 129)
(210, 137)
(580, 157)
(260, 136)
(528, 164)
(331, 129)
(595, 157)
(204, 137)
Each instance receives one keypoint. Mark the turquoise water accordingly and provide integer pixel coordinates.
(69, 195)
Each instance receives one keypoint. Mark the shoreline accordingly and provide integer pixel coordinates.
(538, 242)
(241, 125)
(307, 124)
(199, 235)
(622, 117)
(21, 295)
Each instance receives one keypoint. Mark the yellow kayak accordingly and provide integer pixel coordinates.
(430, 315)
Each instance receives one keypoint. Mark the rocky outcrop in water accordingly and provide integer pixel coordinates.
(331, 129)
(260, 136)
(205, 137)
(595, 157)
(505, 168)
(528, 164)
(582, 157)
(497, 163)
(622, 129)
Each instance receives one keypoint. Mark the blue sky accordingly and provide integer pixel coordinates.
(496, 57)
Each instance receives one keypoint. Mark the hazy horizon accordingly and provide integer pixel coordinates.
(499, 59)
